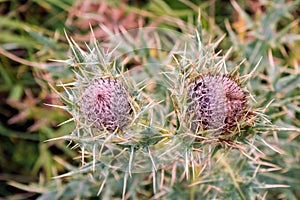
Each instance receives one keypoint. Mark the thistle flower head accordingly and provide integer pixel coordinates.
(105, 103)
(215, 103)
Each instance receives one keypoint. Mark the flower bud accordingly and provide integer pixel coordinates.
(215, 103)
(105, 104)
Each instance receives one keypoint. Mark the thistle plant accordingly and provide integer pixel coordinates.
(190, 121)
(182, 136)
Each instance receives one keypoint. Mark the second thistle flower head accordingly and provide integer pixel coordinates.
(215, 103)
(105, 103)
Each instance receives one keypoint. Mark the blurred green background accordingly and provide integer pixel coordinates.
(32, 33)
